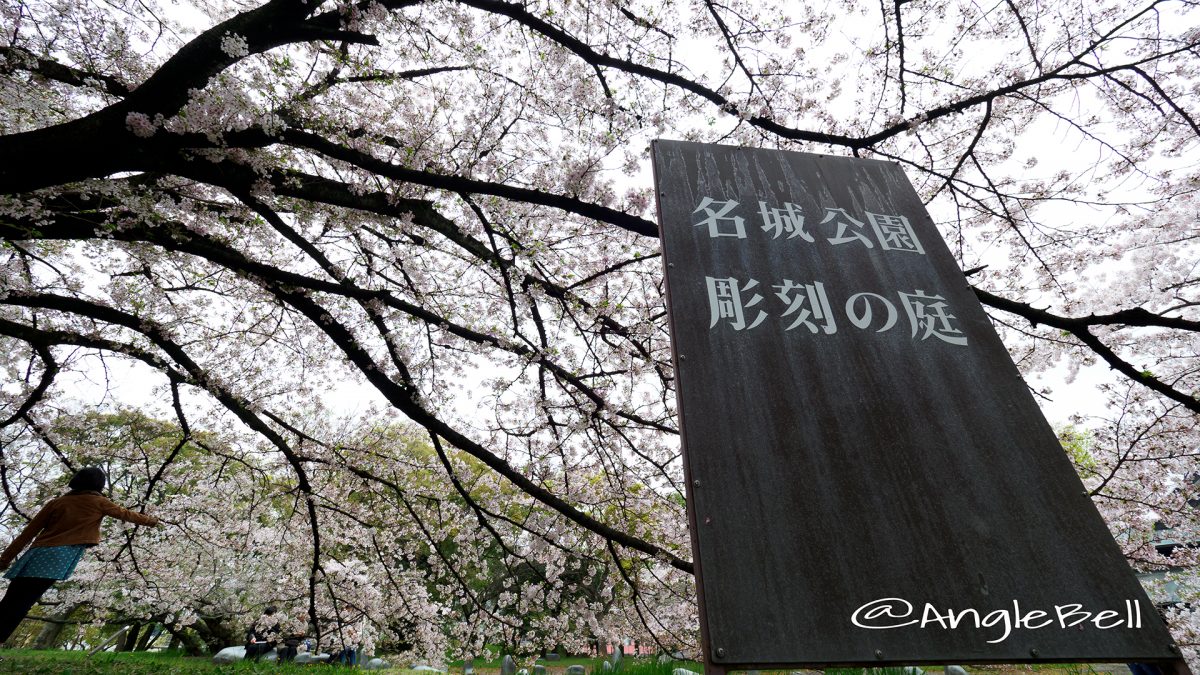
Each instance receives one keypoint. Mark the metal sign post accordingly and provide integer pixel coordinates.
(870, 481)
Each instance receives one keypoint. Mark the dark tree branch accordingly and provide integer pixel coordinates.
(197, 376)
(1080, 329)
(50, 369)
(22, 59)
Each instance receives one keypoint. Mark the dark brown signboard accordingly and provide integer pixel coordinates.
(870, 480)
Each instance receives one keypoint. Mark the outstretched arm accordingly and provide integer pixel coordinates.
(111, 509)
(36, 525)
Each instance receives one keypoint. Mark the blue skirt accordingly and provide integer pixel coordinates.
(47, 562)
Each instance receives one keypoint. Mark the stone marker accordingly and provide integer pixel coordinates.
(607, 666)
(575, 670)
(683, 671)
(539, 670)
(552, 656)
(508, 666)
(229, 655)
(422, 668)
(618, 654)
(469, 667)
(522, 672)
(956, 670)
(376, 664)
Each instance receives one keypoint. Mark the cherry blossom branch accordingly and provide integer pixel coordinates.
(45, 437)
(404, 396)
(197, 375)
(176, 237)
(50, 369)
(454, 183)
(23, 59)
(1079, 327)
(637, 597)
(184, 438)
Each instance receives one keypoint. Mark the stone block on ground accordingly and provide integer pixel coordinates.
(230, 655)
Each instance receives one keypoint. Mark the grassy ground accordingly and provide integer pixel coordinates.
(59, 662)
(632, 666)
(56, 662)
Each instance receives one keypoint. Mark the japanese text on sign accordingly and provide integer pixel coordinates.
(808, 305)
(740, 306)
(893, 233)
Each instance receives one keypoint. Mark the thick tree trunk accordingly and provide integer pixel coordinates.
(51, 633)
(217, 633)
(192, 645)
(131, 638)
(96, 145)
(143, 642)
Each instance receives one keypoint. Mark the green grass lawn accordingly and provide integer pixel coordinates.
(60, 662)
(642, 665)
(528, 663)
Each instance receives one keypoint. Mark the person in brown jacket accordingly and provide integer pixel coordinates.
(60, 533)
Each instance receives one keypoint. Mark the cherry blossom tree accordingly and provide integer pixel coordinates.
(442, 210)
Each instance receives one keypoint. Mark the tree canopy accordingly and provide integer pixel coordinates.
(443, 210)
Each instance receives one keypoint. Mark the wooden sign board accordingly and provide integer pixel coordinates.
(870, 480)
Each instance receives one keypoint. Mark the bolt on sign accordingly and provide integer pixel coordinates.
(870, 480)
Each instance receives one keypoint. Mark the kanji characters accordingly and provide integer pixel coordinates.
(725, 302)
(713, 221)
(788, 219)
(847, 228)
(927, 314)
(736, 304)
(895, 233)
(795, 295)
(808, 305)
